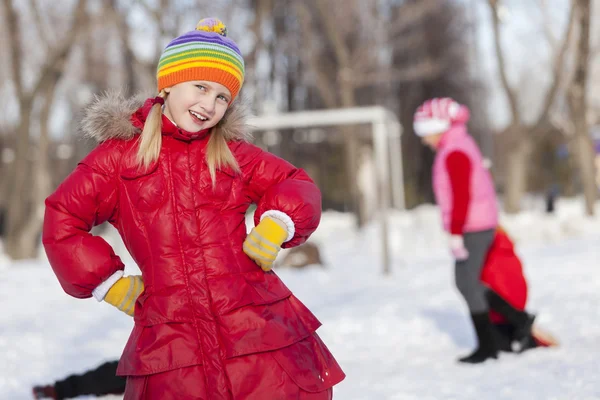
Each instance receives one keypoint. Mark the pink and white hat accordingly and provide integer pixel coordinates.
(437, 115)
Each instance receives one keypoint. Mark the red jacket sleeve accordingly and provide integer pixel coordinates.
(459, 170)
(87, 197)
(276, 186)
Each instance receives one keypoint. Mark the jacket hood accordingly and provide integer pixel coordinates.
(110, 116)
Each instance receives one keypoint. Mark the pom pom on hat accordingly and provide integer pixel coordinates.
(212, 25)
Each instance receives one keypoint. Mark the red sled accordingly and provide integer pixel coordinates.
(503, 273)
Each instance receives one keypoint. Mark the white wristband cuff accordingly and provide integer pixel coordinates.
(100, 292)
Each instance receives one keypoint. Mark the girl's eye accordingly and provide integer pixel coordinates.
(200, 87)
(225, 99)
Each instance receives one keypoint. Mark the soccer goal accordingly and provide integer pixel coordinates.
(385, 131)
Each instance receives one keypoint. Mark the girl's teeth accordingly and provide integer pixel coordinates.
(201, 118)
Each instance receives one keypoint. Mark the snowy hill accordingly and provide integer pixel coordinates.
(396, 337)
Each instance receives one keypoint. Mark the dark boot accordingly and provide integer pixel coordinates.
(504, 334)
(487, 344)
(527, 344)
(521, 320)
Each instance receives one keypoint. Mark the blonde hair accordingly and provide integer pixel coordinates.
(218, 153)
(151, 137)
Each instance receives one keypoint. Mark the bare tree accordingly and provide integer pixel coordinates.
(120, 20)
(577, 100)
(263, 13)
(342, 51)
(522, 136)
(23, 217)
(450, 46)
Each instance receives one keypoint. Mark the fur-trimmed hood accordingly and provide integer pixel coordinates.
(109, 116)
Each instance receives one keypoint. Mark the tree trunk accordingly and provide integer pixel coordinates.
(128, 56)
(40, 185)
(516, 177)
(21, 236)
(578, 105)
(351, 147)
(584, 151)
(18, 204)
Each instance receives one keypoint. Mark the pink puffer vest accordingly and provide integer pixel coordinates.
(483, 208)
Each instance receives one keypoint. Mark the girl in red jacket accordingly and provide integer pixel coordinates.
(175, 176)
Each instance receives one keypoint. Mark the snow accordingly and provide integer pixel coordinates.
(396, 337)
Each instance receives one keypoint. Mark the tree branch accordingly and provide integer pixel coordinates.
(13, 29)
(129, 58)
(261, 14)
(559, 68)
(342, 54)
(411, 14)
(154, 13)
(46, 36)
(552, 39)
(156, 16)
(510, 94)
(324, 85)
(59, 55)
(419, 71)
(363, 56)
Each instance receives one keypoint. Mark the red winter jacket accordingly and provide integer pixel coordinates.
(205, 302)
(503, 273)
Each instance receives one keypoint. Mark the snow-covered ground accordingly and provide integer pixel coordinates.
(397, 337)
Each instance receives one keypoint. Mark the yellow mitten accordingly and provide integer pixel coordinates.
(264, 242)
(124, 293)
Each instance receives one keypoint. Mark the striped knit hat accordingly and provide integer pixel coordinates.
(437, 115)
(203, 54)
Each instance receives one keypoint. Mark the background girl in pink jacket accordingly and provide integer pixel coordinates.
(464, 191)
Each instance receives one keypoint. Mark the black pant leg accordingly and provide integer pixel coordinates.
(100, 381)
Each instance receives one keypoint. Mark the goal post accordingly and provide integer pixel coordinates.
(385, 131)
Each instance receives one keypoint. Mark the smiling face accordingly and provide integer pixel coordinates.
(196, 105)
